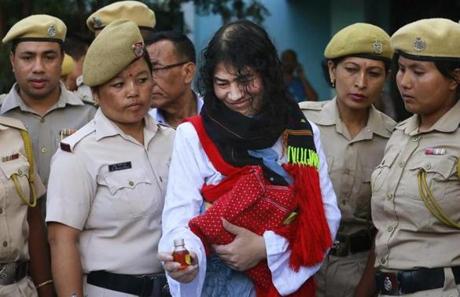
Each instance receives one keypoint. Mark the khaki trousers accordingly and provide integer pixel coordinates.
(339, 276)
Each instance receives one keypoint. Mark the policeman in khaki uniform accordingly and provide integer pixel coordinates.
(23, 247)
(48, 110)
(416, 187)
(134, 11)
(108, 180)
(354, 134)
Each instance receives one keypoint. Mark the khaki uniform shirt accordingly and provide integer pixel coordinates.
(112, 188)
(409, 236)
(14, 228)
(68, 115)
(350, 161)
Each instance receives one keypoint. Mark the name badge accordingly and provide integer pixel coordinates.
(120, 166)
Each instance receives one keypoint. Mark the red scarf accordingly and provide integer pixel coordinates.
(308, 234)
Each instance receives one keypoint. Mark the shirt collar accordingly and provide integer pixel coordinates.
(106, 128)
(13, 100)
(376, 123)
(158, 115)
(449, 122)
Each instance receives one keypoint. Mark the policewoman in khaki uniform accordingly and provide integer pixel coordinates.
(354, 134)
(24, 256)
(134, 11)
(108, 180)
(416, 187)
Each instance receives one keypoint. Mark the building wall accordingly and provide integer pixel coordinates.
(305, 26)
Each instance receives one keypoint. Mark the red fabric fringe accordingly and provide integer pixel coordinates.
(309, 237)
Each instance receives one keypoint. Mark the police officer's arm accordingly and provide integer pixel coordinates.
(66, 265)
(366, 286)
(40, 269)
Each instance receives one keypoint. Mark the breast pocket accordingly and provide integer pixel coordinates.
(129, 193)
(381, 172)
(17, 173)
(440, 174)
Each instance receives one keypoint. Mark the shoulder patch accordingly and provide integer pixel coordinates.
(68, 144)
(11, 122)
(312, 105)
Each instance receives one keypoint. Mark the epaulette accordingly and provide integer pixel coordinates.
(402, 125)
(88, 100)
(13, 123)
(312, 105)
(388, 122)
(68, 144)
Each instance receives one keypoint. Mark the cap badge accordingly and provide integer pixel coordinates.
(377, 47)
(138, 49)
(97, 22)
(51, 31)
(419, 44)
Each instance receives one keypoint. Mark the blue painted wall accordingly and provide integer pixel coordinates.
(305, 26)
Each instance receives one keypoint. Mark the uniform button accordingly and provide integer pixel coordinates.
(42, 120)
(19, 172)
(44, 150)
(390, 228)
(5, 244)
(401, 164)
(271, 179)
(161, 179)
(427, 166)
(415, 138)
(390, 196)
(131, 183)
(383, 261)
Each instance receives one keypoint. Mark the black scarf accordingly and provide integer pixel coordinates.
(234, 134)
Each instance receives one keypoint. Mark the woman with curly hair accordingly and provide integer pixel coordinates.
(249, 190)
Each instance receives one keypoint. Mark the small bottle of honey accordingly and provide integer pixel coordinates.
(181, 254)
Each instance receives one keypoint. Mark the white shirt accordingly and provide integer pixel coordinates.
(112, 188)
(159, 117)
(190, 168)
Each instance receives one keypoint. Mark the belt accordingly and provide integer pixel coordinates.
(345, 245)
(411, 281)
(13, 272)
(144, 285)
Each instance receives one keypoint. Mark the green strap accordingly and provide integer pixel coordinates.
(430, 201)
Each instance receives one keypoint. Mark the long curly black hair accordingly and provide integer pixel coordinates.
(244, 44)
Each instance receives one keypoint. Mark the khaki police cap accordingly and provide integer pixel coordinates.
(37, 27)
(437, 38)
(68, 65)
(359, 39)
(134, 11)
(118, 44)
